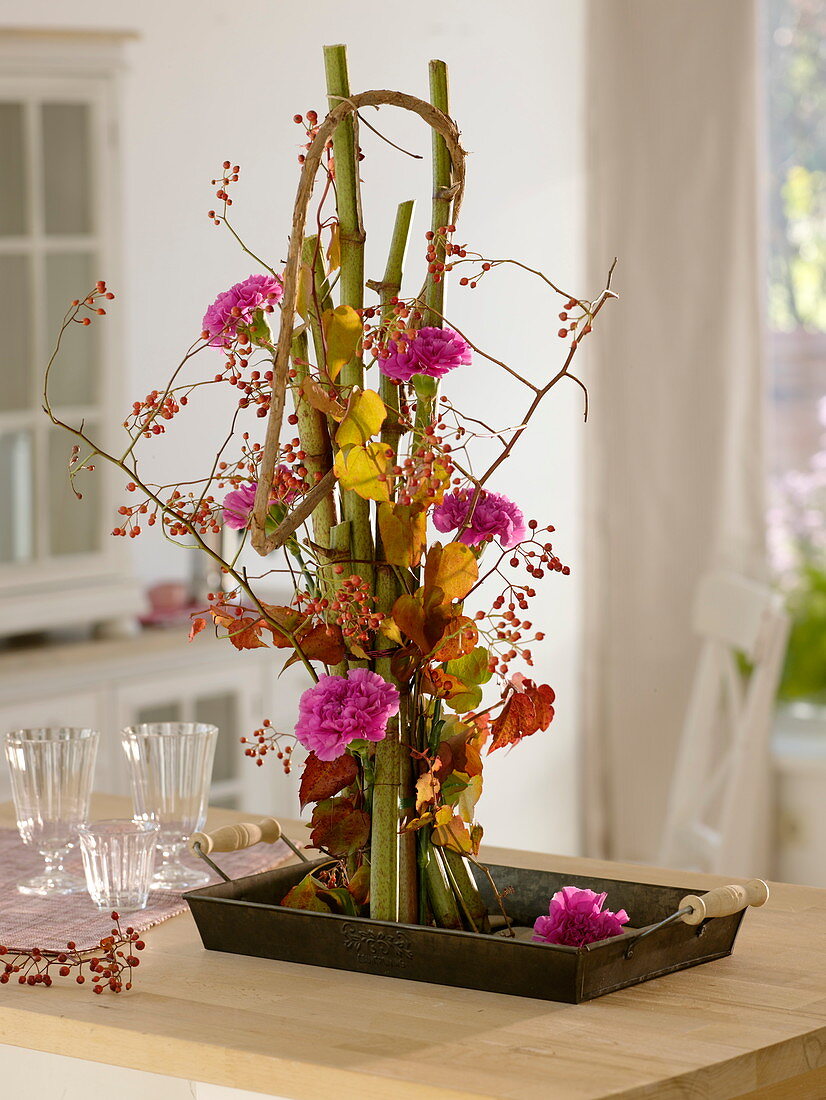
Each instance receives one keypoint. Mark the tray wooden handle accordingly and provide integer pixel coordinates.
(233, 838)
(723, 901)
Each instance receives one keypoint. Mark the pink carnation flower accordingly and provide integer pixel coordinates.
(431, 351)
(255, 292)
(339, 709)
(576, 917)
(238, 506)
(239, 503)
(493, 516)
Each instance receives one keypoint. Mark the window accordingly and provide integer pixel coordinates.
(58, 235)
(795, 50)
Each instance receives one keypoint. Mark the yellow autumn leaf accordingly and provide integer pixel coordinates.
(334, 249)
(364, 416)
(452, 568)
(403, 530)
(359, 468)
(342, 333)
(304, 291)
(466, 802)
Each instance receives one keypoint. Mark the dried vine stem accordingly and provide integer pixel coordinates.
(377, 98)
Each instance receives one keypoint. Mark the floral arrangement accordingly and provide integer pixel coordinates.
(412, 570)
(797, 548)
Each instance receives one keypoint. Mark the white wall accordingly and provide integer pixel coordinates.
(208, 80)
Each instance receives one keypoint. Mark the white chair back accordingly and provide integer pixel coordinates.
(719, 809)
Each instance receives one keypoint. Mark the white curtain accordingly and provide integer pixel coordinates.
(674, 445)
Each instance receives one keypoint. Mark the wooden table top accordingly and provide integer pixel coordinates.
(744, 1025)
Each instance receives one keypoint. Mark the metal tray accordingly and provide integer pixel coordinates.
(243, 917)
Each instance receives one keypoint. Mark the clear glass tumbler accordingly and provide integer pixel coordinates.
(119, 858)
(170, 767)
(51, 781)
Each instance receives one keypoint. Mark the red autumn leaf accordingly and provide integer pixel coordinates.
(339, 828)
(288, 618)
(526, 711)
(319, 643)
(322, 779)
(198, 625)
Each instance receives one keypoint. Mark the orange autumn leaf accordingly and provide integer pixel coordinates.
(452, 568)
(245, 633)
(198, 625)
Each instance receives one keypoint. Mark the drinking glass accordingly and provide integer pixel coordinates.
(51, 781)
(170, 767)
(119, 858)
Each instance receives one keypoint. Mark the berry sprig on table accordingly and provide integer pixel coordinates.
(108, 966)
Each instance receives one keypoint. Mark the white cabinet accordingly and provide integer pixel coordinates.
(158, 677)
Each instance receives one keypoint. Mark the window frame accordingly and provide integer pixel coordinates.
(70, 589)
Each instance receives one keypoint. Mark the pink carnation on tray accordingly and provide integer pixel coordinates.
(430, 351)
(576, 917)
(494, 516)
(221, 320)
(341, 709)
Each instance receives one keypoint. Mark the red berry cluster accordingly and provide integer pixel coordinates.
(266, 740)
(87, 308)
(230, 175)
(382, 338)
(310, 124)
(352, 607)
(256, 390)
(438, 246)
(146, 414)
(294, 456)
(109, 966)
(573, 322)
(425, 472)
(507, 635)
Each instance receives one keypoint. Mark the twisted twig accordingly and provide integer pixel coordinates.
(450, 132)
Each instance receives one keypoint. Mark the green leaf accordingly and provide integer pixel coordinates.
(473, 668)
(305, 896)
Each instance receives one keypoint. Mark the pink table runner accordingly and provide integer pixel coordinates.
(47, 923)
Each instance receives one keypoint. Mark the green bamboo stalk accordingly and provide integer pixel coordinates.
(311, 256)
(466, 889)
(384, 826)
(348, 195)
(440, 895)
(427, 395)
(439, 97)
(388, 288)
(393, 880)
(315, 442)
(351, 282)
